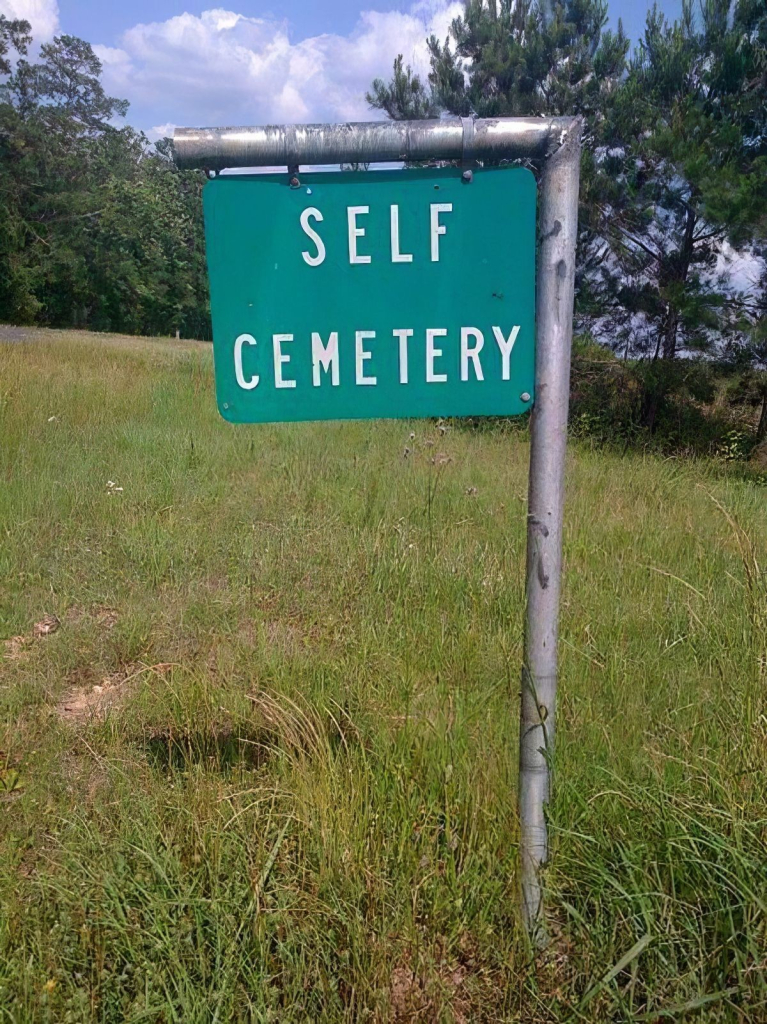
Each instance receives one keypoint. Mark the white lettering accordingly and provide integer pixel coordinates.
(325, 356)
(396, 255)
(313, 261)
(472, 353)
(403, 333)
(352, 212)
(363, 355)
(506, 345)
(433, 353)
(244, 339)
(280, 360)
(438, 229)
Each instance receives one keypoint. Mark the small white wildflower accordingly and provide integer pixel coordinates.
(52, 418)
(412, 435)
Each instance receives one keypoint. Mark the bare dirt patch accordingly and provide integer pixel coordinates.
(84, 704)
(17, 646)
(106, 617)
(418, 998)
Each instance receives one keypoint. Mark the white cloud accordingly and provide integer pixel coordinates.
(742, 269)
(227, 68)
(161, 131)
(43, 16)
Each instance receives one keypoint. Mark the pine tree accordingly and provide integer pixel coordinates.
(682, 170)
(514, 57)
(405, 97)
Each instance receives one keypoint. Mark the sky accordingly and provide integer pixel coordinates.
(189, 62)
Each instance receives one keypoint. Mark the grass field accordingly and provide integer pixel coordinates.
(261, 765)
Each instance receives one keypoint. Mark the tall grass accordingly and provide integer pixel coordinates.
(298, 802)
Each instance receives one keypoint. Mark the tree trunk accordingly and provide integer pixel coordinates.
(668, 350)
(761, 430)
(650, 406)
(678, 271)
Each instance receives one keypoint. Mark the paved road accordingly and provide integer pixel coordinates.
(8, 333)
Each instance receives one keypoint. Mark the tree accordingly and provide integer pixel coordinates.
(681, 170)
(99, 229)
(144, 258)
(64, 88)
(13, 35)
(675, 148)
(748, 360)
(513, 57)
(404, 98)
(526, 58)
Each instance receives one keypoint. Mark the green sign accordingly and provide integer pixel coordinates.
(375, 294)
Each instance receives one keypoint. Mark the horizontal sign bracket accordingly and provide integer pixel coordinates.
(460, 139)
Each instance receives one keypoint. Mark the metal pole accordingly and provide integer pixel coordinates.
(558, 228)
(448, 138)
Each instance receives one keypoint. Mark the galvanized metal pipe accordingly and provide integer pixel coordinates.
(558, 228)
(449, 138)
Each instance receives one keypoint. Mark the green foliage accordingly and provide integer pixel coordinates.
(14, 35)
(64, 90)
(676, 407)
(528, 58)
(736, 446)
(513, 57)
(404, 98)
(97, 228)
(680, 169)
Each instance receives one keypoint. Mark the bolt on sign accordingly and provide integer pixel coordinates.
(389, 294)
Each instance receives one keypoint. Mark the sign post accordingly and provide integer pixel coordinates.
(411, 293)
(557, 235)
